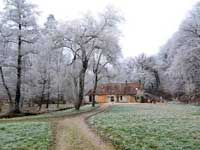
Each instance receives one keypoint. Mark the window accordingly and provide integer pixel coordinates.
(117, 98)
(112, 99)
(90, 98)
(121, 98)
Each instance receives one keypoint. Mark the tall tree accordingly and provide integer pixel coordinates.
(179, 58)
(4, 59)
(19, 19)
(106, 56)
(143, 69)
(81, 38)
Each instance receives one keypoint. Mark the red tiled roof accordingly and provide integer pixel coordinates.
(116, 89)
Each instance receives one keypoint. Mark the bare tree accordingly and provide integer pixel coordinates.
(6, 88)
(104, 57)
(82, 37)
(19, 18)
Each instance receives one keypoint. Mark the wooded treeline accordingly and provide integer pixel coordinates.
(57, 61)
(175, 71)
(61, 61)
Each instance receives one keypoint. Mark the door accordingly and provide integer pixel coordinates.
(112, 99)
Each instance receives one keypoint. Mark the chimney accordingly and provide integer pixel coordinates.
(126, 82)
(141, 85)
(140, 82)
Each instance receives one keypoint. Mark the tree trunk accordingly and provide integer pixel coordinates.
(48, 99)
(58, 100)
(94, 89)
(96, 71)
(6, 88)
(42, 96)
(81, 89)
(58, 97)
(48, 94)
(19, 72)
(41, 102)
(157, 79)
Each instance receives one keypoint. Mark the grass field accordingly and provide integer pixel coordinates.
(150, 127)
(33, 132)
(25, 136)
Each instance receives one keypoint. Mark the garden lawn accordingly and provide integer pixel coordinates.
(25, 136)
(150, 127)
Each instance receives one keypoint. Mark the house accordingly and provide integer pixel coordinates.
(115, 92)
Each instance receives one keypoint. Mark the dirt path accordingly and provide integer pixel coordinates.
(74, 134)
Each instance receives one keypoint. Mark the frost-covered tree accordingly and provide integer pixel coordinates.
(49, 65)
(105, 56)
(56, 61)
(82, 38)
(143, 69)
(5, 64)
(18, 18)
(179, 58)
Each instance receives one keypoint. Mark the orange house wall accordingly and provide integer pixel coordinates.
(131, 99)
(102, 99)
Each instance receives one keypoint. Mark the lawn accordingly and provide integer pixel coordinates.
(150, 127)
(33, 132)
(25, 136)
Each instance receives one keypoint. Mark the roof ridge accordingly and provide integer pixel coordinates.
(120, 83)
(117, 88)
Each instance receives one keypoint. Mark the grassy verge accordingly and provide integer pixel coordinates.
(57, 114)
(25, 136)
(152, 127)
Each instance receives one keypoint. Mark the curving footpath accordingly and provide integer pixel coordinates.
(73, 133)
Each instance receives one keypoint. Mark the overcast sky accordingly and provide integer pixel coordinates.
(149, 23)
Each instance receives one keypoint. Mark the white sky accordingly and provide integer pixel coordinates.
(149, 23)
